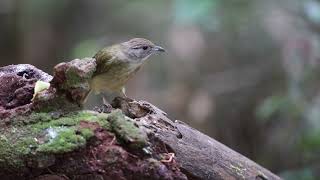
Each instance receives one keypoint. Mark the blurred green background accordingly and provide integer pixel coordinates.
(245, 72)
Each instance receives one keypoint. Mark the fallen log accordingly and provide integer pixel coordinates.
(47, 134)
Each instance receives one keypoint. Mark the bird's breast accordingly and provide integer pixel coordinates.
(114, 78)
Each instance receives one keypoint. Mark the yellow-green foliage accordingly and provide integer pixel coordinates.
(40, 86)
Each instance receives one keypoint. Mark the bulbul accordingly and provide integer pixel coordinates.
(116, 64)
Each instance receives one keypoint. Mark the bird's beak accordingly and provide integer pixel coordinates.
(158, 49)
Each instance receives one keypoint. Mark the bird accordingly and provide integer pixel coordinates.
(117, 63)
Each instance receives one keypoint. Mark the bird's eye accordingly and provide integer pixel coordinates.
(145, 47)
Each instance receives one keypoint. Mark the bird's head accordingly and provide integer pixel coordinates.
(139, 49)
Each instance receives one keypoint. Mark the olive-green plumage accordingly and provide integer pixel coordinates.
(117, 63)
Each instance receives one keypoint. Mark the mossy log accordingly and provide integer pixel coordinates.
(46, 134)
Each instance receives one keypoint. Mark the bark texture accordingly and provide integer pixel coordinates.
(200, 156)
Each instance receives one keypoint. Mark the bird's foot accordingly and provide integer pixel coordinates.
(107, 108)
(123, 95)
(168, 158)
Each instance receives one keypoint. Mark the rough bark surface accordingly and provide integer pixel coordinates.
(200, 156)
(48, 135)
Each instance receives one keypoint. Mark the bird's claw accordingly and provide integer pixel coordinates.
(168, 157)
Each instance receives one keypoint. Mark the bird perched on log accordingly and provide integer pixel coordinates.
(116, 64)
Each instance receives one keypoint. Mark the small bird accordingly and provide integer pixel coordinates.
(116, 64)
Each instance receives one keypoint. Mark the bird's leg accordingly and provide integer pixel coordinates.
(168, 158)
(106, 107)
(123, 95)
(123, 92)
(104, 101)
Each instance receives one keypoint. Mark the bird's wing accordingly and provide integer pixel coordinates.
(104, 58)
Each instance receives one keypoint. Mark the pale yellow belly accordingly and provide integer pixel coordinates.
(102, 83)
(112, 81)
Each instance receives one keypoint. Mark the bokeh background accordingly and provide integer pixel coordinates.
(245, 72)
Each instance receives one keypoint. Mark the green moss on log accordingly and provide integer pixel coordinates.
(46, 134)
(46, 120)
(126, 130)
(28, 135)
(66, 141)
(12, 152)
(86, 133)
